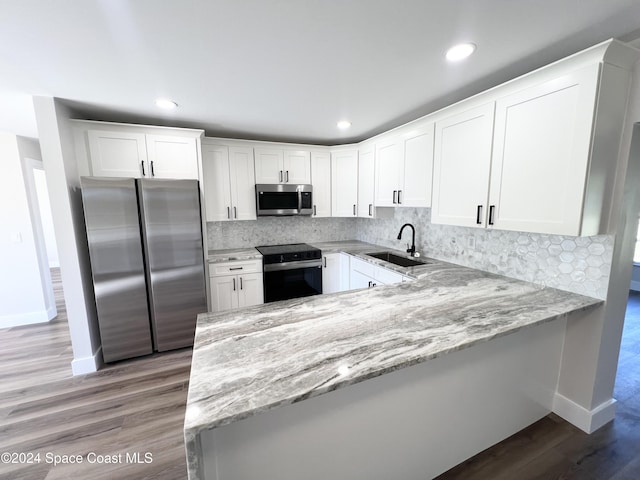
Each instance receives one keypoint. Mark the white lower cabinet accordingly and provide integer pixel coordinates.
(235, 285)
(331, 278)
(367, 275)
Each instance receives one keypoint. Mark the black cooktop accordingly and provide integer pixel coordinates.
(288, 253)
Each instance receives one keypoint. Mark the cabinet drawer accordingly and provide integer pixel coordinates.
(235, 268)
(363, 267)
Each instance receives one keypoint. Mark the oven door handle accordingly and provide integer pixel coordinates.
(274, 267)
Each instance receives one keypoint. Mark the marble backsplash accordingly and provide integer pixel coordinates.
(576, 264)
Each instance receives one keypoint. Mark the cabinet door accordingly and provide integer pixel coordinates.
(331, 274)
(321, 181)
(215, 182)
(172, 157)
(462, 159)
(389, 172)
(269, 165)
(224, 294)
(250, 290)
(118, 154)
(418, 168)
(297, 167)
(541, 155)
(366, 181)
(359, 280)
(243, 191)
(384, 276)
(345, 269)
(344, 183)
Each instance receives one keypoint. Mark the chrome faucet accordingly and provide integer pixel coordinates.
(411, 250)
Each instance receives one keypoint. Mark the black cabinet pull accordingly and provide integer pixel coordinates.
(143, 174)
(325, 261)
(152, 172)
(399, 193)
(236, 268)
(240, 283)
(370, 207)
(235, 212)
(374, 284)
(287, 172)
(395, 193)
(280, 176)
(354, 209)
(234, 284)
(228, 213)
(369, 283)
(492, 210)
(478, 215)
(315, 212)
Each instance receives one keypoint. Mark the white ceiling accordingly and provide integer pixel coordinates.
(281, 69)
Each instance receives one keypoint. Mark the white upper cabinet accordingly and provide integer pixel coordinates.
(461, 167)
(122, 153)
(542, 142)
(366, 180)
(297, 167)
(274, 166)
(321, 181)
(404, 167)
(117, 154)
(388, 170)
(418, 167)
(229, 191)
(172, 157)
(344, 183)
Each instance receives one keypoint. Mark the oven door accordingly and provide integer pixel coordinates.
(283, 281)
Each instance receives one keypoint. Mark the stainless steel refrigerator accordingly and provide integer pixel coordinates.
(145, 245)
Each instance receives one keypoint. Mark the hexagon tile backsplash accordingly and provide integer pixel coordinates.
(576, 264)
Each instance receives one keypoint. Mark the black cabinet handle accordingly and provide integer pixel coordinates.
(287, 178)
(395, 193)
(280, 176)
(374, 284)
(234, 284)
(236, 268)
(228, 212)
(152, 172)
(235, 212)
(315, 212)
(240, 283)
(399, 193)
(370, 283)
(143, 174)
(354, 209)
(492, 210)
(479, 215)
(370, 207)
(325, 261)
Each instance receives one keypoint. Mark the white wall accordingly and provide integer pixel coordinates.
(46, 218)
(57, 143)
(26, 295)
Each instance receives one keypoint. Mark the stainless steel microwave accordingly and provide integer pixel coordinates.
(284, 199)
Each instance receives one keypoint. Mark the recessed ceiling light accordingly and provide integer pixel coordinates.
(344, 124)
(460, 51)
(165, 104)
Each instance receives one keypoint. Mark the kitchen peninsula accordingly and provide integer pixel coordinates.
(435, 371)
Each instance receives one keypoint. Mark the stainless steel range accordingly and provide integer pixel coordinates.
(291, 271)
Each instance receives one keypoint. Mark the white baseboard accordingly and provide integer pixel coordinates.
(635, 285)
(84, 365)
(586, 420)
(41, 316)
(52, 312)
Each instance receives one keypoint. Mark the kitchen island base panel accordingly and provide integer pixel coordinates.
(414, 423)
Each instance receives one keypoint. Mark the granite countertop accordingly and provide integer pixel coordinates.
(258, 358)
(218, 256)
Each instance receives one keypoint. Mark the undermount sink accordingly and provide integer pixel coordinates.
(396, 259)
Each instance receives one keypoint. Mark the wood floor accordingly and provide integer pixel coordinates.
(137, 406)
